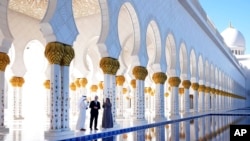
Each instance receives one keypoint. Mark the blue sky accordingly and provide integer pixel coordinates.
(222, 12)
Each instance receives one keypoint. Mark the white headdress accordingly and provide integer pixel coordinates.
(82, 98)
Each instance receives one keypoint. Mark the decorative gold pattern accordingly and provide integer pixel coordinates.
(101, 85)
(120, 80)
(201, 88)
(195, 86)
(94, 88)
(4, 61)
(54, 52)
(37, 8)
(212, 90)
(124, 90)
(186, 84)
(83, 82)
(68, 55)
(159, 77)
(166, 94)
(207, 89)
(174, 81)
(140, 72)
(109, 65)
(133, 83)
(181, 90)
(147, 89)
(77, 82)
(47, 84)
(73, 86)
(17, 81)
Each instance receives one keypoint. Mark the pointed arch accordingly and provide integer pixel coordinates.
(183, 61)
(171, 54)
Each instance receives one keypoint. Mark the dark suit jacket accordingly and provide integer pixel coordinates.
(92, 105)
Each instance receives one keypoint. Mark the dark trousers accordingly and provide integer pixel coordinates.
(93, 117)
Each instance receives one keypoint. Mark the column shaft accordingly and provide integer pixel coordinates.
(65, 98)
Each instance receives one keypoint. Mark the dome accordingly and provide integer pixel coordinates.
(233, 38)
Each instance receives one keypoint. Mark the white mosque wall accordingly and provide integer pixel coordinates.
(170, 17)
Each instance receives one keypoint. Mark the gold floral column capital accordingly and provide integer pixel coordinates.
(174, 81)
(120, 80)
(68, 55)
(212, 90)
(140, 72)
(201, 88)
(181, 90)
(101, 85)
(47, 84)
(186, 84)
(94, 88)
(17, 81)
(54, 52)
(73, 86)
(124, 90)
(109, 65)
(195, 86)
(133, 83)
(77, 82)
(4, 61)
(207, 89)
(83, 82)
(159, 77)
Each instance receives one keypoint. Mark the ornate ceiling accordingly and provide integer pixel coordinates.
(37, 8)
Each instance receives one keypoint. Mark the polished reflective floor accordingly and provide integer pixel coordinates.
(214, 126)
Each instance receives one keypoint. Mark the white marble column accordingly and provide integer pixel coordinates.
(73, 100)
(68, 56)
(133, 102)
(55, 99)
(174, 109)
(59, 56)
(140, 74)
(65, 97)
(207, 98)
(159, 79)
(47, 105)
(186, 84)
(17, 83)
(181, 100)
(201, 98)
(119, 81)
(2, 99)
(109, 67)
(195, 87)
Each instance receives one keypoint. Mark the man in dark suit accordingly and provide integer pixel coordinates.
(94, 106)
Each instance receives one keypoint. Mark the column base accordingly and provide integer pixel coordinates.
(57, 135)
(160, 118)
(186, 114)
(174, 116)
(4, 130)
(140, 121)
(119, 118)
(18, 118)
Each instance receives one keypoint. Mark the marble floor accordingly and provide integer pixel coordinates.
(33, 129)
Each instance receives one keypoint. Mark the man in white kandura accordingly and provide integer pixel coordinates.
(83, 106)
